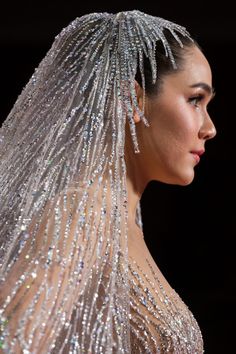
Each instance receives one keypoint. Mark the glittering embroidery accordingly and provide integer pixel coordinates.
(63, 200)
(160, 322)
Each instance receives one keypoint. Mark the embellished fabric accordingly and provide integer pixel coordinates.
(63, 193)
(160, 321)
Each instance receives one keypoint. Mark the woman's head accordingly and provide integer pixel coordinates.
(176, 109)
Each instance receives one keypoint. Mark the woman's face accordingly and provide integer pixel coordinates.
(179, 122)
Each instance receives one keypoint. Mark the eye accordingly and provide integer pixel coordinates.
(195, 100)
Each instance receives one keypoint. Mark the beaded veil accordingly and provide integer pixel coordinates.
(63, 195)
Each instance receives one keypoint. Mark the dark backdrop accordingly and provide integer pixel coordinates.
(189, 230)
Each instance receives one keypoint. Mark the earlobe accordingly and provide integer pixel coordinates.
(139, 91)
(136, 117)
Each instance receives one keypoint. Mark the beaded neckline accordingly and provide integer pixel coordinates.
(160, 321)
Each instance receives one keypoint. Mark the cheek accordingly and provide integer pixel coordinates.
(182, 123)
(173, 127)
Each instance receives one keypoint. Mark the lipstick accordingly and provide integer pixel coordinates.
(197, 154)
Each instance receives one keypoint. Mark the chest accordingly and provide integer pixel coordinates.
(160, 321)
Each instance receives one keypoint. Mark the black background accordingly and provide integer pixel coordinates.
(189, 230)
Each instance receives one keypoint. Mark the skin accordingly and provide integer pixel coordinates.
(179, 124)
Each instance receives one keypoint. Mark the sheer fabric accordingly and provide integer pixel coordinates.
(57, 276)
(63, 206)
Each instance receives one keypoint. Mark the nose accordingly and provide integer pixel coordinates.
(208, 130)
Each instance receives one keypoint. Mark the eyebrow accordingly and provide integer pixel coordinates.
(210, 90)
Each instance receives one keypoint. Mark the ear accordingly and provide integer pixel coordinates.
(139, 94)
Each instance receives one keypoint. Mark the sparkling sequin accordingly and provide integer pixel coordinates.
(160, 322)
(63, 199)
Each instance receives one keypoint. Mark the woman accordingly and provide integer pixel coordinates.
(119, 100)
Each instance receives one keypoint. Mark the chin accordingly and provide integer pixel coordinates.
(185, 183)
(181, 180)
(177, 178)
(186, 180)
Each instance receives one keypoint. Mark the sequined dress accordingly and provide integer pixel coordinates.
(67, 128)
(159, 320)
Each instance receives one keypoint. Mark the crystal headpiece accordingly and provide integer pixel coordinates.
(63, 193)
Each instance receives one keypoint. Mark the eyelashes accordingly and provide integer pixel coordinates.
(196, 99)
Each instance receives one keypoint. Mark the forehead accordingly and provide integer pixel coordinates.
(197, 66)
(195, 69)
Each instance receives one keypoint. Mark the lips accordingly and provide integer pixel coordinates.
(197, 154)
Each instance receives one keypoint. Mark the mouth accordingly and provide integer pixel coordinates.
(196, 154)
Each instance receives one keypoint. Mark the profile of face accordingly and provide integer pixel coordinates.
(180, 125)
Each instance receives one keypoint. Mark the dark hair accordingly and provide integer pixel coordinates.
(164, 65)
